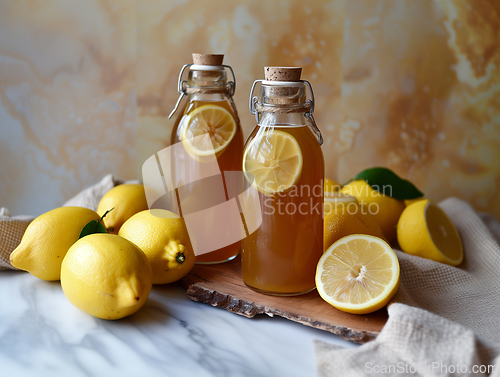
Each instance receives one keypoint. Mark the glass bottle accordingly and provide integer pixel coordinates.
(283, 161)
(209, 111)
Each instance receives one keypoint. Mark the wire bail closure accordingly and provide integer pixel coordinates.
(254, 100)
(182, 86)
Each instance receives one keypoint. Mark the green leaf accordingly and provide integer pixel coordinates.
(94, 226)
(388, 183)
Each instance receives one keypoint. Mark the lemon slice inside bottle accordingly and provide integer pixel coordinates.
(358, 274)
(273, 162)
(216, 123)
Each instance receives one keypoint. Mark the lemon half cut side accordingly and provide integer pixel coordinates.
(358, 274)
(272, 163)
(425, 230)
(215, 122)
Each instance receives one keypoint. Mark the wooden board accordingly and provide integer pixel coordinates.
(221, 285)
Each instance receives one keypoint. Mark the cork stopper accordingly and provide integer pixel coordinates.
(208, 59)
(282, 73)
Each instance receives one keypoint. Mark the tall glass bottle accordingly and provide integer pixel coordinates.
(209, 111)
(283, 161)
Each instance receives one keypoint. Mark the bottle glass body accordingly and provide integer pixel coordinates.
(208, 91)
(281, 256)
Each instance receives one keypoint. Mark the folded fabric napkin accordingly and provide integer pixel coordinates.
(12, 228)
(11, 232)
(444, 321)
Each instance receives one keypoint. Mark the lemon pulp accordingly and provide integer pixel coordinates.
(215, 123)
(358, 274)
(273, 162)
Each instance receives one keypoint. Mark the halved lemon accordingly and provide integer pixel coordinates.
(425, 230)
(272, 162)
(358, 274)
(215, 123)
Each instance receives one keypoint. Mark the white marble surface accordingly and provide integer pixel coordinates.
(42, 334)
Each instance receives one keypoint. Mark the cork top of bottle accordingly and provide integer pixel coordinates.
(282, 73)
(208, 59)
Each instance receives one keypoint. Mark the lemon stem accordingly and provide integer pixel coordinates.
(105, 213)
(102, 217)
(180, 258)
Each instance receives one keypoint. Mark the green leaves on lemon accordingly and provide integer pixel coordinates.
(95, 226)
(386, 182)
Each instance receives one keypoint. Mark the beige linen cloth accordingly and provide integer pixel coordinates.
(444, 321)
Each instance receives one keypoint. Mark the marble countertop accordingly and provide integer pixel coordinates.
(42, 334)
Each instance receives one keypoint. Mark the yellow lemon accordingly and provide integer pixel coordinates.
(273, 162)
(106, 276)
(213, 121)
(163, 237)
(426, 231)
(385, 209)
(47, 240)
(331, 185)
(347, 219)
(358, 274)
(127, 200)
(410, 201)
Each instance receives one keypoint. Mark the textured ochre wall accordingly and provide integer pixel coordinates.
(86, 87)
(67, 98)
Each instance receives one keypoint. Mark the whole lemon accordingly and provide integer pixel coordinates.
(411, 201)
(331, 185)
(127, 200)
(47, 240)
(106, 276)
(425, 230)
(163, 237)
(346, 219)
(385, 209)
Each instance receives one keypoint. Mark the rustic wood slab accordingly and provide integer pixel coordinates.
(221, 285)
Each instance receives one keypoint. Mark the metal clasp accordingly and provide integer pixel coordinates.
(254, 100)
(232, 84)
(314, 128)
(311, 101)
(181, 89)
(182, 84)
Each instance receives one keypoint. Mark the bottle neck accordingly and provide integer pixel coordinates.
(285, 105)
(208, 84)
(205, 85)
(282, 105)
(274, 119)
(283, 95)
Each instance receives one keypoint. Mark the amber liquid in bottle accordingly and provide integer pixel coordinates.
(280, 257)
(229, 159)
